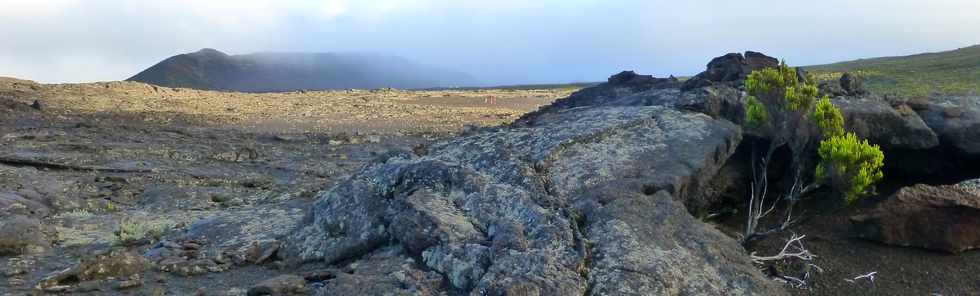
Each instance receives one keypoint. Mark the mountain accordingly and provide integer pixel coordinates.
(951, 72)
(210, 69)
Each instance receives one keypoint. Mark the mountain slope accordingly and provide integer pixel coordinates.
(209, 69)
(949, 72)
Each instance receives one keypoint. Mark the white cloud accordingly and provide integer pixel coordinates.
(501, 41)
(34, 10)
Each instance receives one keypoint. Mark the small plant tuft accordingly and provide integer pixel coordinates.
(134, 233)
(828, 118)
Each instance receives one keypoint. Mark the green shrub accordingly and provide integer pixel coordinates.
(755, 112)
(828, 118)
(778, 108)
(851, 166)
(778, 105)
(782, 107)
(130, 233)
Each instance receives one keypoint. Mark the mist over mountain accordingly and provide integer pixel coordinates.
(210, 69)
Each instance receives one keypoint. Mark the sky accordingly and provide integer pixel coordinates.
(497, 41)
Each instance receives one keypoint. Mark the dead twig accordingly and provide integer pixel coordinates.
(868, 276)
(793, 248)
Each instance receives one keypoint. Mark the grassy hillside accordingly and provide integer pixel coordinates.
(950, 72)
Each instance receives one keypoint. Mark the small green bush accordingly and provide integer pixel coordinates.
(851, 166)
(130, 233)
(783, 109)
(755, 112)
(828, 119)
(763, 83)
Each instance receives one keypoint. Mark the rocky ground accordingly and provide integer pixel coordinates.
(355, 110)
(125, 188)
(631, 187)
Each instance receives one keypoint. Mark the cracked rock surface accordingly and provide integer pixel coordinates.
(585, 200)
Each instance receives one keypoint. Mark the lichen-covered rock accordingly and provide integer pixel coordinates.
(881, 124)
(568, 202)
(20, 234)
(385, 272)
(648, 245)
(944, 218)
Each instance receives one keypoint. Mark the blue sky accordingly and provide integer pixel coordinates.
(497, 41)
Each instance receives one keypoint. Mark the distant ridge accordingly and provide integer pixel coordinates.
(955, 72)
(210, 69)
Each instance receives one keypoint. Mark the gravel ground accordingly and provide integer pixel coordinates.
(211, 173)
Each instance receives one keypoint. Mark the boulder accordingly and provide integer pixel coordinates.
(943, 218)
(852, 84)
(757, 61)
(847, 85)
(956, 120)
(830, 88)
(730, 69)
(589, 200)
(881, 124)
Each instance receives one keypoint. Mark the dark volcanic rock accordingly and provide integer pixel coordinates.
(831, 89)
(957, 122)
(945, 218)
(630, 77)
(852, 84)
(731, 69)
(881, 124)
(719, 101)
(625, 83)
(577, 201)
(848, 85)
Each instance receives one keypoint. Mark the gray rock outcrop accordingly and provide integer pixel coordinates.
(881, 124)
(587, 197)
(956, 120)
(847, 85)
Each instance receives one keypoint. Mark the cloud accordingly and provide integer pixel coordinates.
(34, 10)
(499, 41)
